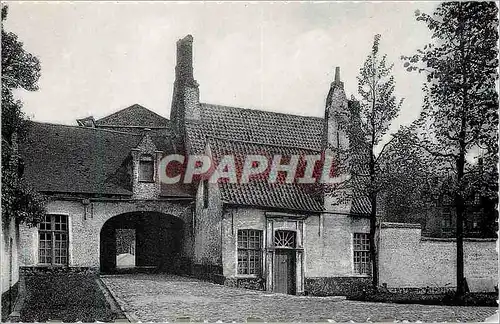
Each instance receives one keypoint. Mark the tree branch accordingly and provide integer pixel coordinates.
(435, 153)
(383, 148)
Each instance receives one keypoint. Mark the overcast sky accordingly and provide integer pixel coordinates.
(98, 58)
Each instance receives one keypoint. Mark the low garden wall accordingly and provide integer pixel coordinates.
(409, 261)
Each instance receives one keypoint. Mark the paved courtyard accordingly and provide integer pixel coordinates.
(167, 298)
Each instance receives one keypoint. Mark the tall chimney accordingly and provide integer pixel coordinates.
(186, 95)
(337, 74)
(336, 86)
(184, 68)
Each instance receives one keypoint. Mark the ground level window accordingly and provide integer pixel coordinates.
(362, 264)
(446, 224)
(53, 240)
(249, 251)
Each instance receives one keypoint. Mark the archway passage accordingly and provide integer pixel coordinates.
(141, 240)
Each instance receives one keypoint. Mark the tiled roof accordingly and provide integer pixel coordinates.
(262, 194)
(258, 191)
(135, 115)
(196, 135)
(73, 159)
(256, 126)
(232, 130)
(361, 206)
(136, 119)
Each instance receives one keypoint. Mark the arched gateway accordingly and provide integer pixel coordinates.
(142, 240)
(157, 233)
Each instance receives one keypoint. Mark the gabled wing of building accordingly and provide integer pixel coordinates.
(93, 159)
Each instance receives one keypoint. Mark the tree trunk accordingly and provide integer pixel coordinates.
(460, 210)
(460, 247)
(373, 251)
(459, 198)
(373, 215)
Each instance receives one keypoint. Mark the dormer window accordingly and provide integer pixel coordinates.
(146, 168)
(86, 122)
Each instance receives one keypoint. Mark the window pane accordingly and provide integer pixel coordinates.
(361, 246)
(242, 262)
(242, 238)
(146, 168)
(284, 239)
(46, 223)
(52, 245)
(249, 251)
(44, 248)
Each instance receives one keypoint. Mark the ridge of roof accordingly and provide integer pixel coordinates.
(132, 126)
(258, 143)
(136, 105)
(259, 111)
(83, 127)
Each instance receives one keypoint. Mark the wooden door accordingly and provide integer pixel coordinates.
(284, 271)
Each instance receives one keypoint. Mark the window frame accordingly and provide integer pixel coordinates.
(475, 221)
(363, 240)
(446, 217)
(250, 252)
(52, 231)
(291, 242)
(146, 158)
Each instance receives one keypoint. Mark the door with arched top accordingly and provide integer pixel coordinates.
(284, 261)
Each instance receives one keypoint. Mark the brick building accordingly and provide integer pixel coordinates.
(437, 216)
(108, 209)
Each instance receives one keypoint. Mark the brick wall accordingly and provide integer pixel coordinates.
(145, 190)
(337, 286)
(329, 255)
(408, 260)
(234, 219)
(329, 244)
(86, 221)
(207, 234)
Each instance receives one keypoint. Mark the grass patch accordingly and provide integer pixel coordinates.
(67, 297)
(8, 301)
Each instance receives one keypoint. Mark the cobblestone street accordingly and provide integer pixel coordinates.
(167, 298)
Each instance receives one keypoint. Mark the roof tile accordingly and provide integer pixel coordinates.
(60, 158)
(256, 126)
(258, 191)
(135, 115)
